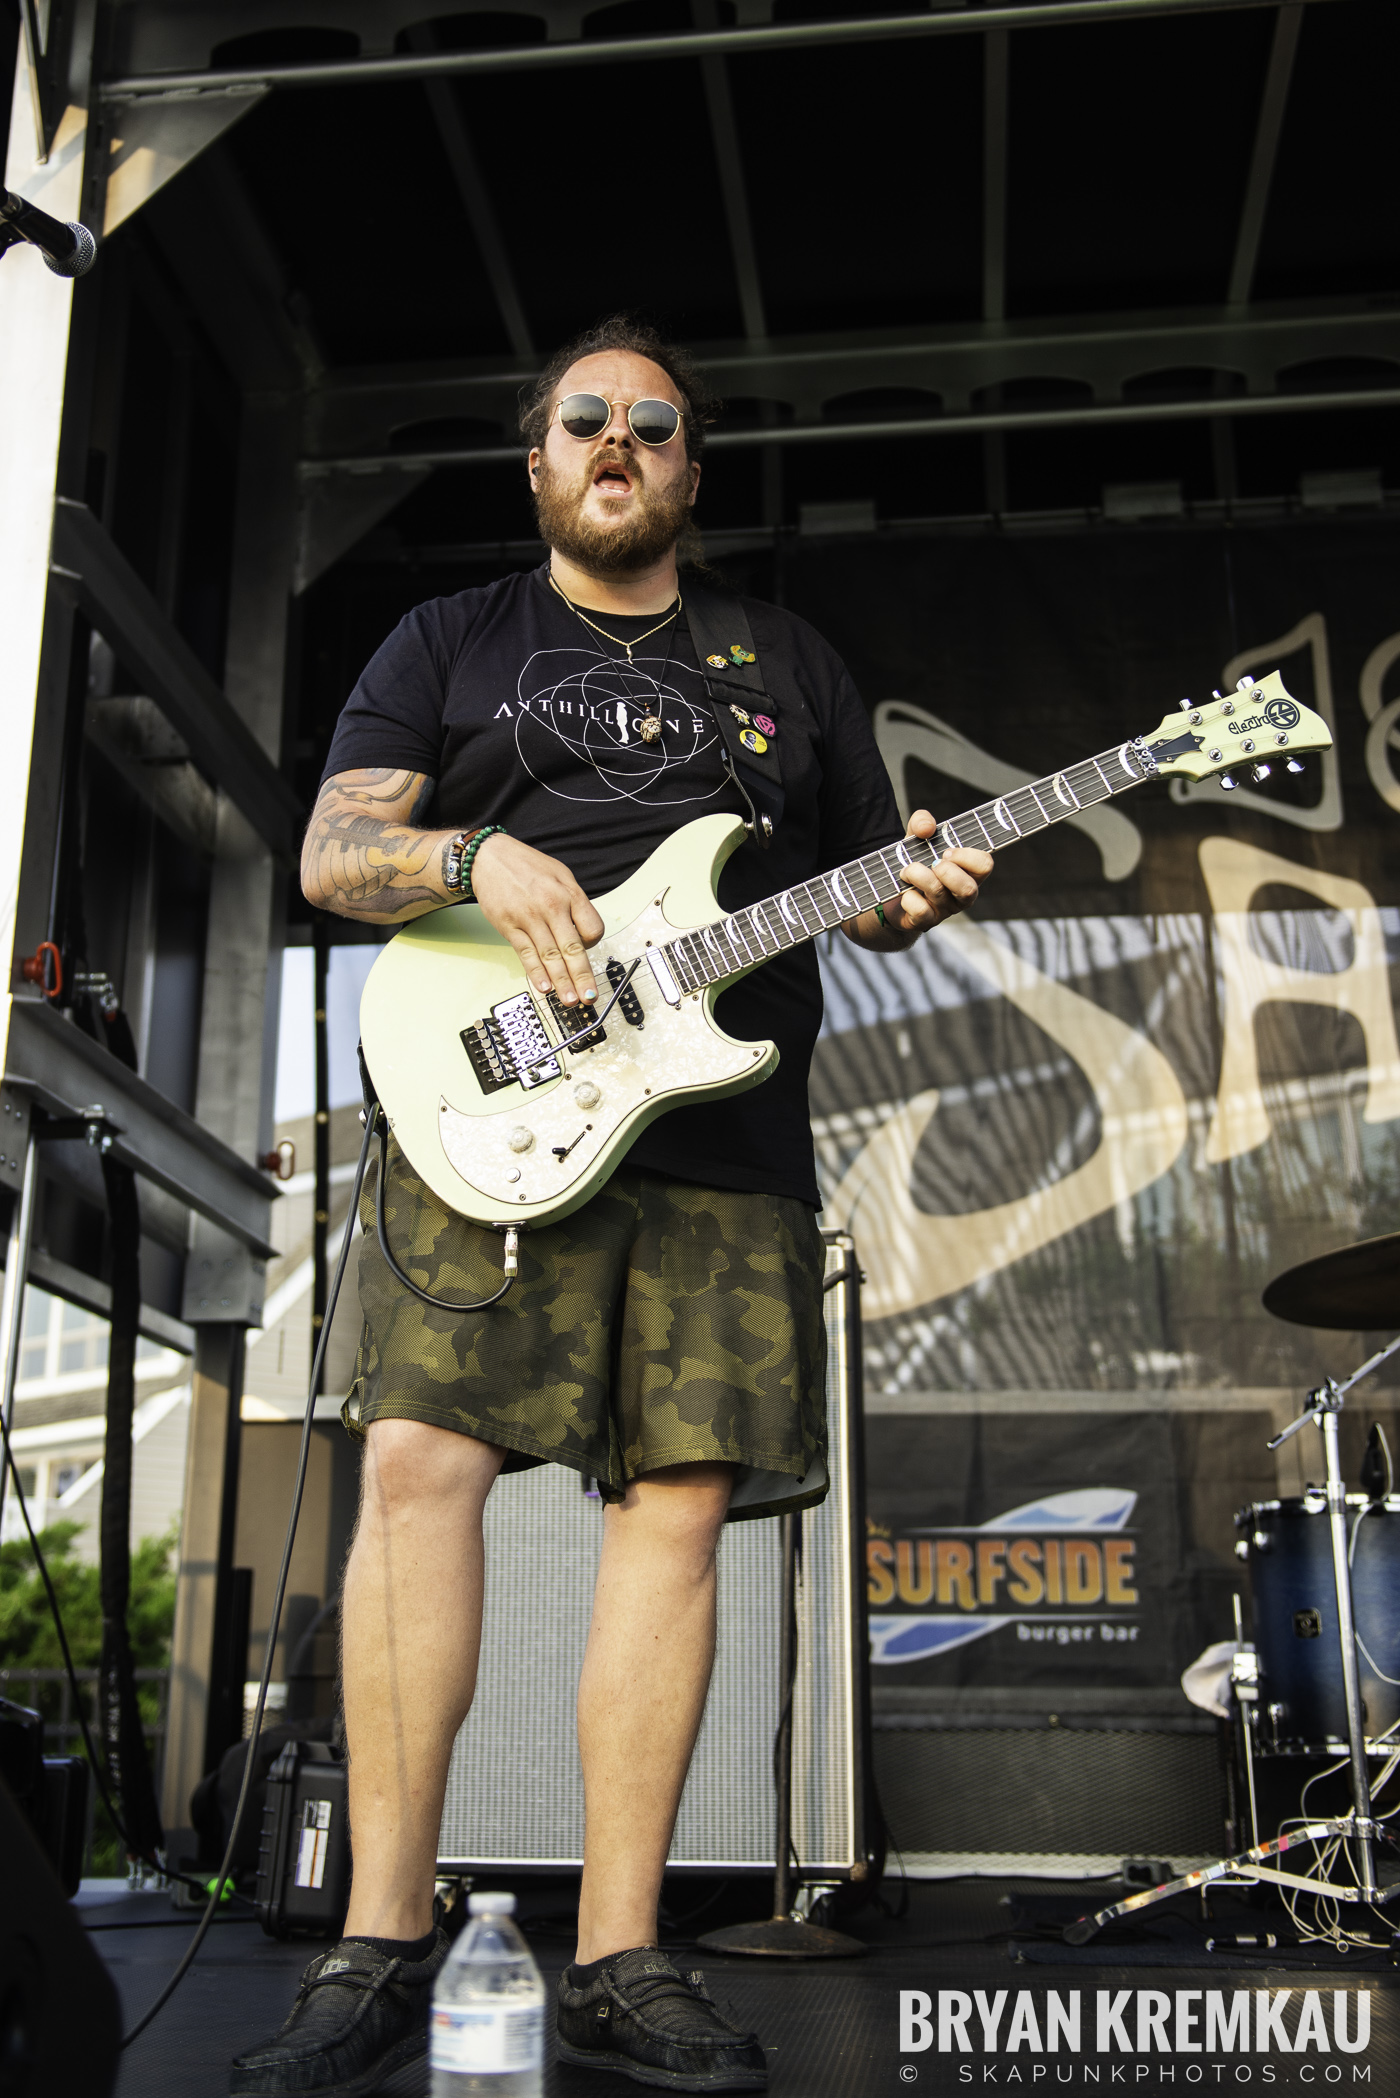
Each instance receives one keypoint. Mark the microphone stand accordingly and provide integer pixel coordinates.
(784, 1935)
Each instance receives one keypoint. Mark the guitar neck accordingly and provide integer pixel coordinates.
(739, 942)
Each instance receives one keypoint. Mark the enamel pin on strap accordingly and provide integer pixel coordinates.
(733, 674)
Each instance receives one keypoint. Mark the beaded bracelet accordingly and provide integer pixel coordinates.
(473, 847)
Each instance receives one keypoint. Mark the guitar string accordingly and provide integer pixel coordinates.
(1086, 780)
(698, 957)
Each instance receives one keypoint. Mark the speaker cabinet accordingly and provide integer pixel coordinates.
(515, 1793)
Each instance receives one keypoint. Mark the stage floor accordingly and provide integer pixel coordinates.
(831, 2029)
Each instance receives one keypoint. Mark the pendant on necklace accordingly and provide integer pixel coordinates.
(649, 728)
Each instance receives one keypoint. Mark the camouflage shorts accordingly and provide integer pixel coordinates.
(660, 1324)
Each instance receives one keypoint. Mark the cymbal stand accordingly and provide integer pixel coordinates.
(1244, 1681)
(1358, 1829)
(1324, 1407)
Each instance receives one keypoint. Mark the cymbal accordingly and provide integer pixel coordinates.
(1357, 1288)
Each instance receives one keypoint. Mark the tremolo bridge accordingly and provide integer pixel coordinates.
(510, 1046)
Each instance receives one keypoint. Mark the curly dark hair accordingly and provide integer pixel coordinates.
(623, 331)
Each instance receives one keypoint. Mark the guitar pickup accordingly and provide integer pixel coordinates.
(629, 1004)
(508, 1047)
(577, 1024)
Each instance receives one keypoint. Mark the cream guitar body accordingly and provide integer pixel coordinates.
(494, 1156)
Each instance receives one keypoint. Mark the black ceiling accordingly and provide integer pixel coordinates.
(1129, 145)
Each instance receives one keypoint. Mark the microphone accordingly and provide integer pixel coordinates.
(68, 250)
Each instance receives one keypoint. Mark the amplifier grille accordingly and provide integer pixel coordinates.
(514, 1791)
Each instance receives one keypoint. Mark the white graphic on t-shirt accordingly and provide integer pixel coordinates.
(576, 704)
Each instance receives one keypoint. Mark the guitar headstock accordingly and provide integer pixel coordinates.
(1256, 724)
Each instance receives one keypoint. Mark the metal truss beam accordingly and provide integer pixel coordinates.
(724, 132)
(1007, 419)
(217, 247)
(995, 131)
(156, 141)
(1269, 130)
(354, 412)
(61, 1280)
(996, 126)
(1209, 515)
(701, 43)
(121, 608)
(476, 200)
(62, 1070)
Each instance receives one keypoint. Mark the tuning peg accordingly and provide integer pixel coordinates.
(1227, 783)
(1295, 765)
(1261, 772)
(1217, 695)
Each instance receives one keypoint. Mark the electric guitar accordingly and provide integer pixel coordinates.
(515, 1108)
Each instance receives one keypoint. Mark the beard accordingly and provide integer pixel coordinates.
(657, 519)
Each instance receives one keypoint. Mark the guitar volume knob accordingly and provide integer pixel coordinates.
(522, 1139)
(587, 1094)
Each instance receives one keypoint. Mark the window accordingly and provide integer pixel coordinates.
(60, 1340)
(65, 1472)
(82, 1340)
(34, 1345)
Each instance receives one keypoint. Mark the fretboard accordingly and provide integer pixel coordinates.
(745, 938)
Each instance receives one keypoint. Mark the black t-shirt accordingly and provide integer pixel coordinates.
(523, 715)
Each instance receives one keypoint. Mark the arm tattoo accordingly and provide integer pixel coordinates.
(365, 855)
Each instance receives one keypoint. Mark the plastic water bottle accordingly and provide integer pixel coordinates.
(487, 2031)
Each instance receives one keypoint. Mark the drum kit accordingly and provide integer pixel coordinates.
(1322, 1676)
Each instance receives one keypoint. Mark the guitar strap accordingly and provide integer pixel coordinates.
(733, 675)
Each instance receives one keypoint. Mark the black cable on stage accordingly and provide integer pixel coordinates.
(274, 1623)
(377, 1115)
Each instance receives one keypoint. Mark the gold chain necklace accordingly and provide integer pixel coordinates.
(616, 639)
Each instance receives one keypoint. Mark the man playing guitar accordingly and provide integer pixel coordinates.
(528, 745)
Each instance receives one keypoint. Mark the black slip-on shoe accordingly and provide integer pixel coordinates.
(359, 2025)
(642, 2018)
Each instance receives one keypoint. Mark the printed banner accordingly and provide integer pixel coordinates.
(1077, 1133)
(1050, 1549)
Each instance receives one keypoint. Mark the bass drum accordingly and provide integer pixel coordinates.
(1288, 1547)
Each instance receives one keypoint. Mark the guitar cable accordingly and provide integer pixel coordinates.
(225, 1872)
(374, 1120)
(377, 1120)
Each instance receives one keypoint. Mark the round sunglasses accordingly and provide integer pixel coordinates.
(586, 415)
